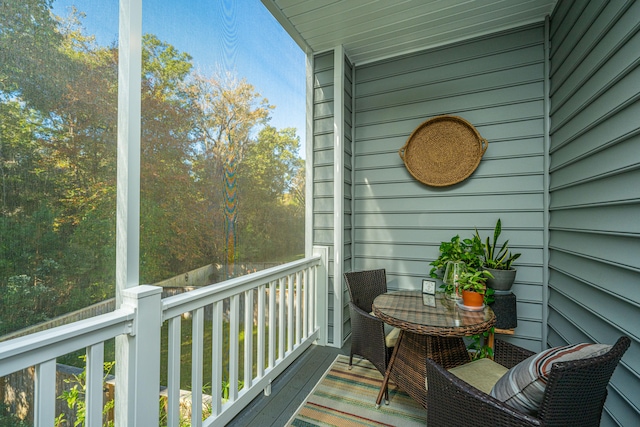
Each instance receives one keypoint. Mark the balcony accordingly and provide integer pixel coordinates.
(287, 299)
(555, 92)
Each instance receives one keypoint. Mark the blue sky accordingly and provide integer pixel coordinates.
(236, 35)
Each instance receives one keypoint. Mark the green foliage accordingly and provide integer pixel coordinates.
(469, 251)
(186, 349)
(163, 416)
(57, 163)
(26, 26)
(477, 348)
(165, 68)
(184, 421)
(272, 226)
(225, 389)
(476, 254)
(495, 257)
(7, 419)
(474, 280)
(58, 128)
(76, 395)
(24, 301)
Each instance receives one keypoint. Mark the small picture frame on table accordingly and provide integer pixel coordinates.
(429, 292)
(428, 287)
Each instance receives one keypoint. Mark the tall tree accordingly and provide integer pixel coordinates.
(230, 109)
(57, 160)
(210, 169)
(31, 64)
(272, 225)
(81, 148)
(166, 248)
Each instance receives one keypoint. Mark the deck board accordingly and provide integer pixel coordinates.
(289, 390)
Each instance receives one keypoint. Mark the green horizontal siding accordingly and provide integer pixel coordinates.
(496, 83)
(594, 243)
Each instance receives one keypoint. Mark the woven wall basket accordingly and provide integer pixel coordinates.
(443, 151)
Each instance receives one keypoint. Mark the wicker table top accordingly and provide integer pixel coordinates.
(409, 311)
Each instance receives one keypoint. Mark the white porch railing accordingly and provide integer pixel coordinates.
(42, 348)
(284, 311)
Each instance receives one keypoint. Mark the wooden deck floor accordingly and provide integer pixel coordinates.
(289, 390)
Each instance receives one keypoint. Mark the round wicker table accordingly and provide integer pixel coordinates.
(430, 327)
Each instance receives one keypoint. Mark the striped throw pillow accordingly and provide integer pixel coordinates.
(522, 387)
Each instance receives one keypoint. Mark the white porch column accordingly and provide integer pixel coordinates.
(128, 205)
(128, 173)
(138, 368)
(309, 146)
(338, 192)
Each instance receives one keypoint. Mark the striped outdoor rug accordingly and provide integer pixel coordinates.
(347, 398)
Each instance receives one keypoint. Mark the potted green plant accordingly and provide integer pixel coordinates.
(469, 251)
(498, 261)
(473, 284)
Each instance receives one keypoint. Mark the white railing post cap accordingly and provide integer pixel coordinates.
(142, 291)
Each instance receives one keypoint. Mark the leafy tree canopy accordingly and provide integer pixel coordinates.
(58, 150)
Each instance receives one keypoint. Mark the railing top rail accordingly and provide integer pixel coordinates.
(182, 303)
(22, 352)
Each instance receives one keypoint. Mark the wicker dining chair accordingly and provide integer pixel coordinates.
(574, 395)
(368, 338)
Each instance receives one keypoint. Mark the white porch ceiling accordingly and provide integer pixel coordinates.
(371, 30)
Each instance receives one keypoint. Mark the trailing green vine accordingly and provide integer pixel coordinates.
(75, 397)
(478, 349)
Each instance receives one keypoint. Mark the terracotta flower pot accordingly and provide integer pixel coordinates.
(472, 299)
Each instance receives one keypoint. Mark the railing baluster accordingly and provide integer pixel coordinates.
(290, 313)
(173, 371)
(95, 375)
(45, 393)
(305, 304)
(197, 353)
(281, 321)
(261, 325)
(298, 295)
(234, 329)
(216, 358)
(290, 319)
(248, 338)
(273, 325)
(312, 300)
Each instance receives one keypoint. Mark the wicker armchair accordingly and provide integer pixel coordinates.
(367, 331)
(574, 395)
